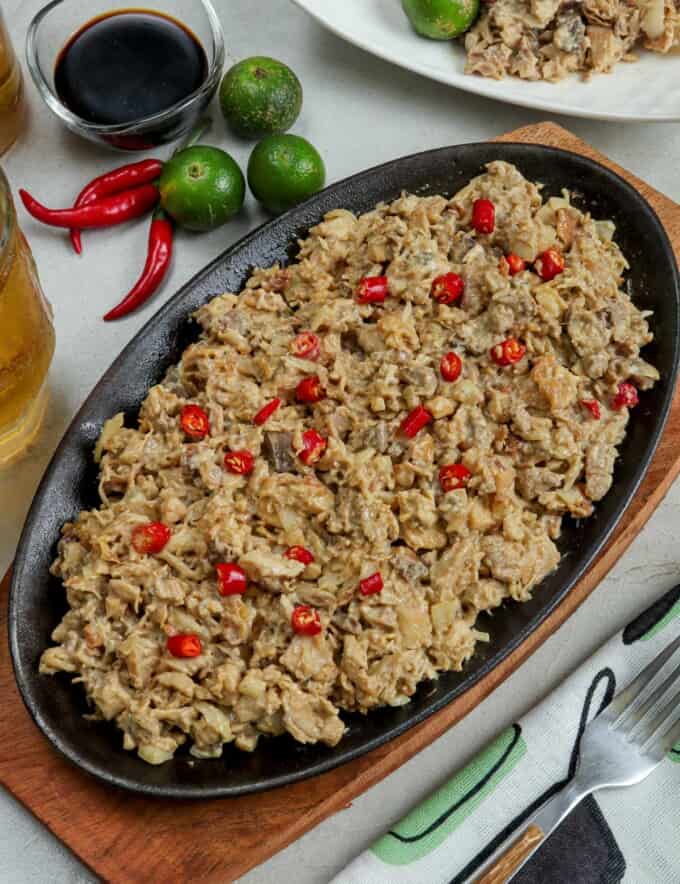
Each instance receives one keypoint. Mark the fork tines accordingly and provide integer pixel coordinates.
(646, 710)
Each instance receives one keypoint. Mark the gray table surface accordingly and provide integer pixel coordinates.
(359, 111)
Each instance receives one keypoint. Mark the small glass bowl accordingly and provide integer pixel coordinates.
(56, 23)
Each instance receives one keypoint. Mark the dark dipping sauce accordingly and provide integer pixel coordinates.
(128, 65)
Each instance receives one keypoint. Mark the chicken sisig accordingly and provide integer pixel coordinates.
(549, 39)
(360, 453)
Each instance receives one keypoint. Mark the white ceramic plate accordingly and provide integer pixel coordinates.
(647, 91)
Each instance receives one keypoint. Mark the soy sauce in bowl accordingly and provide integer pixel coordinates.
(128, 65)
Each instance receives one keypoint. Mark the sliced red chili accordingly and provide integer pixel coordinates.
(266, 412)
(549, 264)
(372, 290)
(313, 446)
(483, 216)
(515, 264)
(195, 422)
(150, 538)
(309, 390)
(453, 476)
(306, 620)
(306, 346)
(187, 645)
(299, 554)
(450, 366)
(239, 462)
(447, 288)
(626, 397)
(414, 422)
(593, 407)
(371, 585)
(232, 578)
(508, 352)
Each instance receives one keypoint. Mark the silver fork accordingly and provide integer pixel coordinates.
(620, 747)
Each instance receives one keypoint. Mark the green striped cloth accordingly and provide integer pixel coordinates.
(628, 836)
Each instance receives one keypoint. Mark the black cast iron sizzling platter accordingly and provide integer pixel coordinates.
(37, 600)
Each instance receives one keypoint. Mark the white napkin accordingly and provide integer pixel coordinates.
(618, 835)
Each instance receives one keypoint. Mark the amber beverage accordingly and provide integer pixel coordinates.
(26, 337)
(12, 102)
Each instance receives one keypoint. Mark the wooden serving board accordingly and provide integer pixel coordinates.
(217, 841)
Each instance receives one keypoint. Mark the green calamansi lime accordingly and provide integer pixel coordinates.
(441, 19)
(201, 187)
(260, 96)
(284, 170)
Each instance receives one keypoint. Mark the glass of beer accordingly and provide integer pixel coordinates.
(26, 337)
(12, 104)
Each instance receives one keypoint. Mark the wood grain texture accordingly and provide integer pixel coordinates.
(217, 841)
(513, 857)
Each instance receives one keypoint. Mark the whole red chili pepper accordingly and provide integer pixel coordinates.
(111, 210)
(115, 181)
(158, 259)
